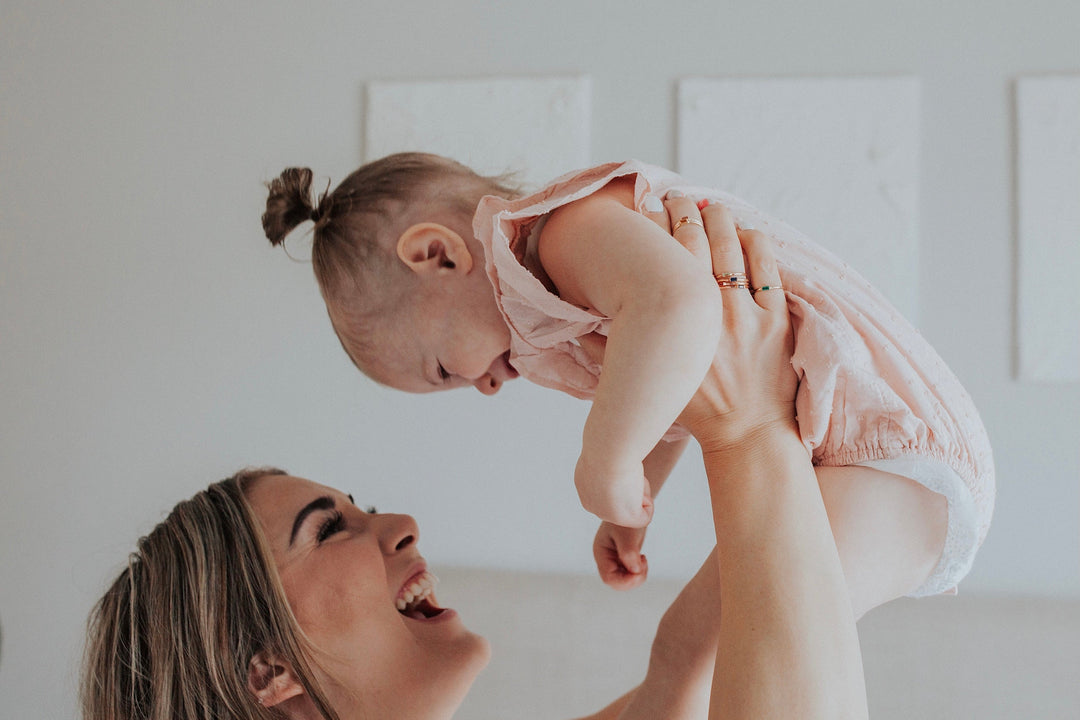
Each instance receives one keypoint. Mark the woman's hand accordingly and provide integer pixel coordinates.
(751, 384)
(788, 638)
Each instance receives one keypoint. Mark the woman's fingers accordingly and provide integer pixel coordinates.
(687, 226)
(724, 246)
(708, 231)
(763, 273)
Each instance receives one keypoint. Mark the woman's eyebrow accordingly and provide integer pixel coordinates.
(322, 503)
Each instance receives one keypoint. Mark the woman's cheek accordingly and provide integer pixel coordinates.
(319, 599)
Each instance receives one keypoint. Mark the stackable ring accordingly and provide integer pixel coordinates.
(735, 280)
(687, 220)
(766, 287)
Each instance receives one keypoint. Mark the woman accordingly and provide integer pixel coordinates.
(272, 596)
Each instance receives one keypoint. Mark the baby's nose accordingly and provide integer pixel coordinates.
(488, 384)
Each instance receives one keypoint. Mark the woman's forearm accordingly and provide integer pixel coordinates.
(787, 643)
(782, 643)
(676, 686)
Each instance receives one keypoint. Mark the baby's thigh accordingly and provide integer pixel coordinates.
(889, 531)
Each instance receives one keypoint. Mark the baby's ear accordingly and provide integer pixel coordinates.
(271, 679)
(433, 248)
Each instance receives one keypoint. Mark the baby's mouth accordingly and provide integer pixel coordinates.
(417, 600)
(511, 372)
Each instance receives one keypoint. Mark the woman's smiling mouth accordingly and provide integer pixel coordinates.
(415, 599)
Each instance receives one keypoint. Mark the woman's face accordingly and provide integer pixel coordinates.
(346, 572)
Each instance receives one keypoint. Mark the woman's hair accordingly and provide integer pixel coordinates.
(356, 224)
(173, 636)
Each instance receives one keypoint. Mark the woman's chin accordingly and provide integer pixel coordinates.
(445, 633)
(473, 659)
(484, 650)
(471, 655)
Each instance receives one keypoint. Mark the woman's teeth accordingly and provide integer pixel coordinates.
(417, 591)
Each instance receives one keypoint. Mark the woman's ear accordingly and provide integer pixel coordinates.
(429, 248)
(271, 679)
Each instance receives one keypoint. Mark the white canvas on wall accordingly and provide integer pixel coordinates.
(1048, 222)
(838, 158)
(537, 127)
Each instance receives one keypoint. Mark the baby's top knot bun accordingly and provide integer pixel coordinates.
(290, 204)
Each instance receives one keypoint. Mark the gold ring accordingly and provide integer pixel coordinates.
(687, 220)
(766, 287)
(735, 280)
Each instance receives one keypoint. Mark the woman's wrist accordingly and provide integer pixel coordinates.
(725, 439)
(744, 474)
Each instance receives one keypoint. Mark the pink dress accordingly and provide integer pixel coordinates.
(872, 391)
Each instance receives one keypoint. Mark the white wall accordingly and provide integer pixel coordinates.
(152, 342)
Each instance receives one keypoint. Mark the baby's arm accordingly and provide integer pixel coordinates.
(617, 549)
(601, 254)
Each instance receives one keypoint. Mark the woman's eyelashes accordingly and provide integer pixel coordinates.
(331, 524)
(335, 523)
(443, 375)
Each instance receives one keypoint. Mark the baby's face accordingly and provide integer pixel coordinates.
(450, 335)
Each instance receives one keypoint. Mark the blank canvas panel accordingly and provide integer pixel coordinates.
(1048, 187)
(837, 158)
(538, 127)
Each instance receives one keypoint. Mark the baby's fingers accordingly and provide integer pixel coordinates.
(616, 551)
(655, 211)
(616, 575)
(636, 569)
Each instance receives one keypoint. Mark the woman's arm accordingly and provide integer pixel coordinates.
(787, 644)
(782, 643)
(778, 641)
(676, 686)
(602, 254)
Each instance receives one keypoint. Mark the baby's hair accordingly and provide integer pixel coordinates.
(358, 223)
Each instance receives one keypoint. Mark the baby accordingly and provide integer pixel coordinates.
(436, 277)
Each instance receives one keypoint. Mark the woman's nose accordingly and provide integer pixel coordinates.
(397, 532)
(488, 384)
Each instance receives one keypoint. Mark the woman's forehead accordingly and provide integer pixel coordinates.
(277, 498)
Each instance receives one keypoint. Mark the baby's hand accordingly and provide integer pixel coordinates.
(618, 556)
(619, 496)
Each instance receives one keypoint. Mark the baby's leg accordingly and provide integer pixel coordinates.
(889, 531)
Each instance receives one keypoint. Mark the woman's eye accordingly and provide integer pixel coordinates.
(334, 523)
(442, 372)
(370, 510)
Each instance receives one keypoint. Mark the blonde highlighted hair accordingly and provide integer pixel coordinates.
(174, 634)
